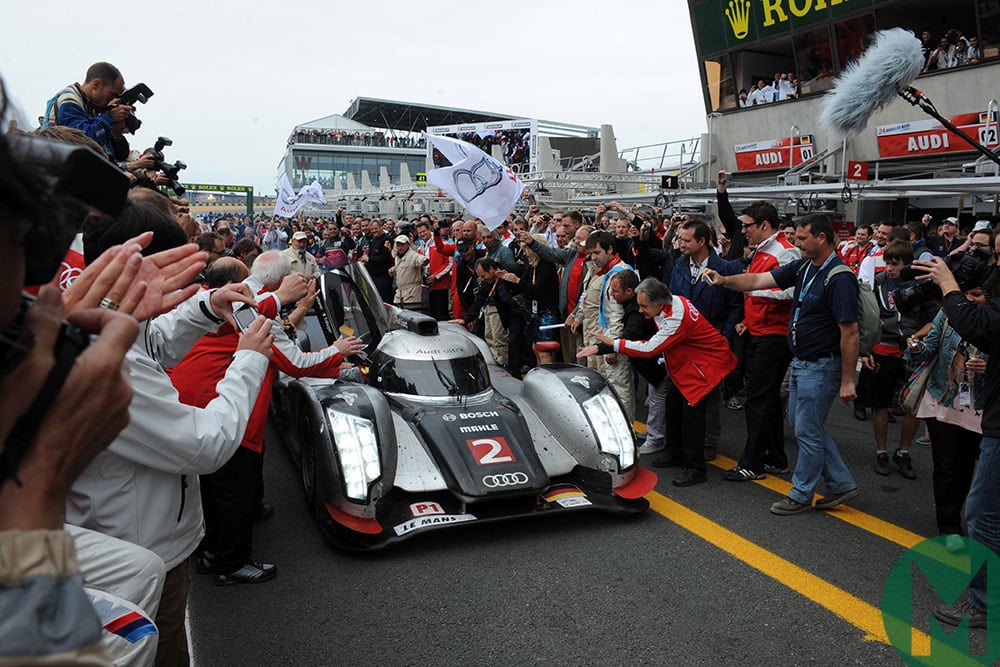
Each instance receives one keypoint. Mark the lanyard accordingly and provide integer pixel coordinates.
(806, 287)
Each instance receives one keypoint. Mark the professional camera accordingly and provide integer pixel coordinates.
(971, 269)
(140, 92)
(76, 179)
(171, 171)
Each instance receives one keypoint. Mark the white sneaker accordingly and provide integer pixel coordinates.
(651, 447)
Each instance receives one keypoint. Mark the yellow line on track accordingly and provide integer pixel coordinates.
(852, 609)
(889, 531)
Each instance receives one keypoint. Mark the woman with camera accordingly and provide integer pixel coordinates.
(952, 407)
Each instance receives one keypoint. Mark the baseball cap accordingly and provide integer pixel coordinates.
(463, 244)
(982, 226)
(300, 236)
(402, 238)
(950, 221)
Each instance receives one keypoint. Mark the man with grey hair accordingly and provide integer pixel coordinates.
(697, 359)
(232, 497)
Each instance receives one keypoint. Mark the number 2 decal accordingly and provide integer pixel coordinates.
(487, 451)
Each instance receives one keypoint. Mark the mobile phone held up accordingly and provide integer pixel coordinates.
(244, 316)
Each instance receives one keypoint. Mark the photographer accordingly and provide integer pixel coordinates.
(905, 314)
(980, 326)
(91, 108)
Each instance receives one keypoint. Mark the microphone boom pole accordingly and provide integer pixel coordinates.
(918, 99)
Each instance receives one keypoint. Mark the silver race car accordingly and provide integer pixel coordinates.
(438, 435)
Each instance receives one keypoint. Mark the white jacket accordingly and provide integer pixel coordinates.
(144, 487)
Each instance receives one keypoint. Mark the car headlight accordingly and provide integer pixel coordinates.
(614, 433)
(357, 449)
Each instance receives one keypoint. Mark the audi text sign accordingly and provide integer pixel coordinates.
(929, 137)
(774, 153)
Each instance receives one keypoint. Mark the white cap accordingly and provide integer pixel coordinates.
(402, 238)
(982, 226)
(300, 236)
(950, 221)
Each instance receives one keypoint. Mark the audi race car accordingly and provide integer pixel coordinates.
(439, 435)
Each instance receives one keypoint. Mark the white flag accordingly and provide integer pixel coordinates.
(289, 203)
(312, 193)
(485, 187)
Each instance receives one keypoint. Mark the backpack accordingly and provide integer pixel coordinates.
(869, 315)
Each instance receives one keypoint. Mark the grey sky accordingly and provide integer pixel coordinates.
(231, 79)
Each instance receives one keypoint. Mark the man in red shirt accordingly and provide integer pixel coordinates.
(229, 494)
(697, 359)
(860, 248)
(438, 269)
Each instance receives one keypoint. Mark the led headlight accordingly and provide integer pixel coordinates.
(357, 449)
(613, 430)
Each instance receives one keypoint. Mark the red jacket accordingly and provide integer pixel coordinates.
(196, 376)
(768, 311)
(696, 354)
(442, 262)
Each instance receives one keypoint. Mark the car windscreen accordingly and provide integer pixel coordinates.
(434, 377)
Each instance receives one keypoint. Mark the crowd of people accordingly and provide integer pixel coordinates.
(952, 49)
(134, 404)
(784, 86)
(335, 137)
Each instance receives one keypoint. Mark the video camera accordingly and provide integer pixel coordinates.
(971, 269)
(140, 92)
(171, 171)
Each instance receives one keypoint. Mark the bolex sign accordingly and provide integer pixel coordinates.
(774, 153)
(928, 137)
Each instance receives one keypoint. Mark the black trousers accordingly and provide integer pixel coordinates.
(685, 429)
(954, 451)
(768, 358)
(438, 304)
(229, 501)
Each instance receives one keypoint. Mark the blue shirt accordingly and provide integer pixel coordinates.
(818, 310)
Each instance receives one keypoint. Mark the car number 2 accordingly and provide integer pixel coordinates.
(490, 450)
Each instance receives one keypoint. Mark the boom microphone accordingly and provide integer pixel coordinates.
(884, 71)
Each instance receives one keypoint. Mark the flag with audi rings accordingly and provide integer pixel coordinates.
(289, 203)
(485, 187)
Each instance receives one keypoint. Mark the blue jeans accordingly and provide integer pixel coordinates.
(811, 391)
(982, 511)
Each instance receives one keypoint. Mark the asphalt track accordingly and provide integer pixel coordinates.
(707, 577)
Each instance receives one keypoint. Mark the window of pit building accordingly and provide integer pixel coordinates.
(722, 92)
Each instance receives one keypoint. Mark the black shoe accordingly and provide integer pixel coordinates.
(860, 412)
(892, 418)
(690, 477)
(252, 572)
(882, 463)
(667, 461)
(264, 512)
(204, 563)
(834, 499)
(963, 609)
(775, 470)
(904, 463)
(740, 474)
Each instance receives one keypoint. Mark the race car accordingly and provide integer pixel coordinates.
(435, 434)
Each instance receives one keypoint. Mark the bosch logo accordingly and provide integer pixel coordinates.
(506, 479)
(478, 415)
(448, 417)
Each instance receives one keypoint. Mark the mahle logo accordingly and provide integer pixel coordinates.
(948, 575)
(738, 13)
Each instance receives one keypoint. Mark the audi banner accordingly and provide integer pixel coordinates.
(774, 153)
(929, 137)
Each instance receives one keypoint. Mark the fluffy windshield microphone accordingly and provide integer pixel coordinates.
(886, 69)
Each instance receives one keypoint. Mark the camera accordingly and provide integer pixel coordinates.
(74, 179)
(16, 344)
(244, 316)
(140, 92)
(971, 269)
(171, 171)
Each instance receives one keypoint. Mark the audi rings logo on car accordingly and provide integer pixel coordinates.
(448, 417)
(505, 479)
